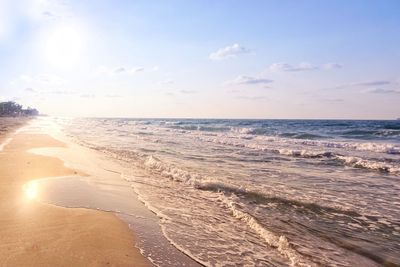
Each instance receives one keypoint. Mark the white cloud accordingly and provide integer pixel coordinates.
(135, 70)
(372, 83)
(59, 92)
(363, 84)
(252, 98)
(87, 96)
(50, 9)
(231, 51)
(304, 66)
(49, 92)
(30, 90)
(188, 91)
(248, 80)
(166, 82)
(47, 79)
(331, 66)
(48, 14)
(118, 70)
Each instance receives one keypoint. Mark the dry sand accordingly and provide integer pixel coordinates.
(37, 234)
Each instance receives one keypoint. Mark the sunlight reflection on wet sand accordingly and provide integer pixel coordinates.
(31, 190)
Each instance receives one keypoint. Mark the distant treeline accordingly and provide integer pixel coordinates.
(12, 109)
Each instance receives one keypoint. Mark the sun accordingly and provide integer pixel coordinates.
(64, 46)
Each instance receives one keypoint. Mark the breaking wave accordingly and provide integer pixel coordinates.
(351, 161)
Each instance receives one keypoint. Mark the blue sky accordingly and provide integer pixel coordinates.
(222, 59)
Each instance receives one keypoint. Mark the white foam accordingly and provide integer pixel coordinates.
(368, 164)
(280, 243)
(153, 164)
(163, 218)
(5, 143)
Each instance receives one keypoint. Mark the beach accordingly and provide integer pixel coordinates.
(200, 133)
(179, 192)
(38, 234)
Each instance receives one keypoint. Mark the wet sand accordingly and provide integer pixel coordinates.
(10, 124)
(38, 234)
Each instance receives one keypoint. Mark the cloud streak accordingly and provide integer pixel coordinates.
(89, 96)
(119, 70)
(285, 67)
(167, 82)
(331, 66)
(42, 79)
(248, 80)
(304, 66)
(30, 90)
(364, 84)
(252, 98)
(187, 92)
(228, 52)
(383, 91)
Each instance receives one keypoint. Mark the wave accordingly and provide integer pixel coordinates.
(387, 148)
(370, 134)
(279, 242)
(388, 166)
(169, 171)
(365, 146)
(201, 182)
(392, 126)
(359, 132)
(302, 135)
(351, 161)
(251, 128)
(232, 198)
(357, 162)
(200, 128)
(268, 132)
(264, 198)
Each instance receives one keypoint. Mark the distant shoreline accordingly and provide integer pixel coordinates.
(227, 119)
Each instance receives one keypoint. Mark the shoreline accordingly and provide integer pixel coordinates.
(104, 187)
(38, 234)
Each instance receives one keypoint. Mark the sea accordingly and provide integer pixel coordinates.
(262, 192)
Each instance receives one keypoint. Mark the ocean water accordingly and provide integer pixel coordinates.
(262, 192)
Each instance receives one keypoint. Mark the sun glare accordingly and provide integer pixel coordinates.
(31, 190)
(63, 46)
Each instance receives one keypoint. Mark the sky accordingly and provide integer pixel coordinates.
(272, 59)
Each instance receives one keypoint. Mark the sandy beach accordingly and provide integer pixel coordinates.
(37, 234)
